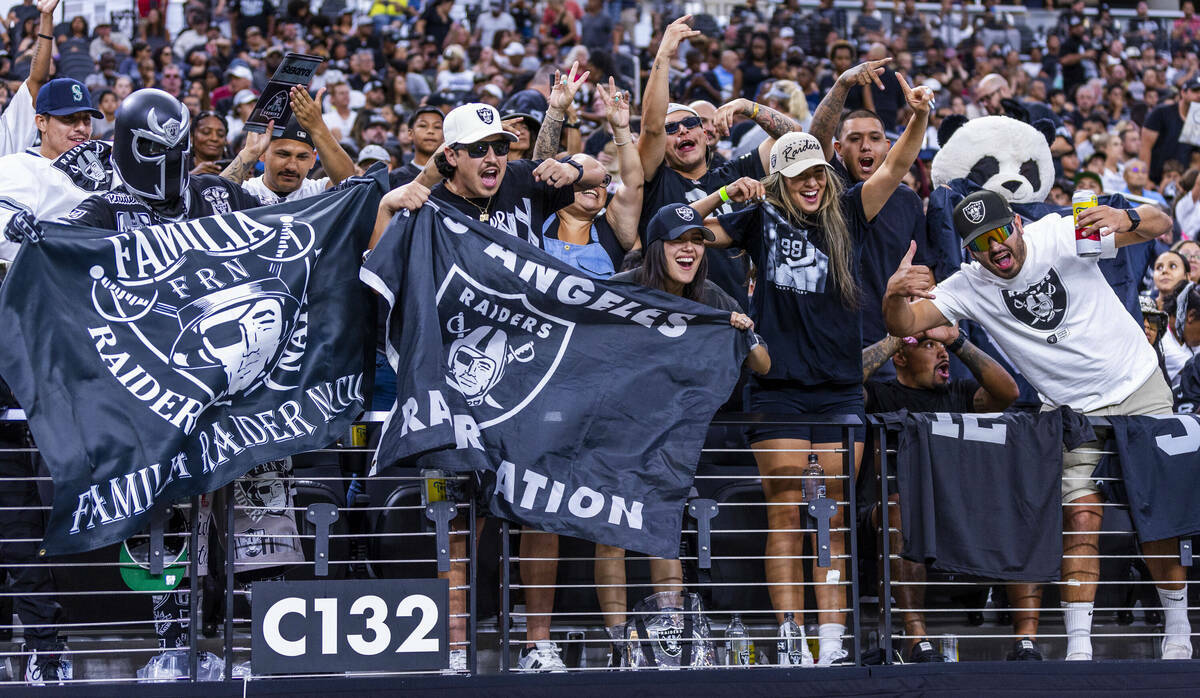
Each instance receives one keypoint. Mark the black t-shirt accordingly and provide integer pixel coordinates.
(435, 28)
(796, 305)
(519, 207)
(1166, 121)
(1073, 74)
(1155, 473)
(252, 13)
(727, 269)
(891, 396)
(403, 175)
(207, 195)
(889, 100)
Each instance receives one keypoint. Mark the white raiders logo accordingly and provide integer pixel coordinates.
(974, 211)
(485, 115)
(218, 199)
(274, 108)
(87, 164)
(1042, 306)
(667, 630)
(685, 213)
(500, 349)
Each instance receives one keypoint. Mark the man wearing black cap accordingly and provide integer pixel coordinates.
(1162, 128)
(289, 156)
(51, 180)
(375, 131)
(425, 129)
(1054, 315)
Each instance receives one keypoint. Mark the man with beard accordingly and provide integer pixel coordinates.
(290, 156)
(923, 384)
(425, 127)
(1054, 314)
(858, 151)
(673, 147)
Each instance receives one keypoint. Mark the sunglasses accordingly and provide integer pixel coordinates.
(478, 150)
(689, 123)
(983, 243)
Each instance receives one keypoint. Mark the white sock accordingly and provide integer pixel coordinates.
(829, 637)
(1175, 613)
(1077, 617)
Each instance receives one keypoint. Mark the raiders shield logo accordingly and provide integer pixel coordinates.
(974, 211)
(668, 640)
(1042, 306)
(500, 349)
(685, 213)
(274, 108)
(485, 115)
(87, 164)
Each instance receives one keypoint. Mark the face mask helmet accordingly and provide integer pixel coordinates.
(151, 142)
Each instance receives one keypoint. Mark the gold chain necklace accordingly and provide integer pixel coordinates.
(483, 210)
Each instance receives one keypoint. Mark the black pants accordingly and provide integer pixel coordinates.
(18, 488)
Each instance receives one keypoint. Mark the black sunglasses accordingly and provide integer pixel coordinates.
(478, 150)
(689, 123)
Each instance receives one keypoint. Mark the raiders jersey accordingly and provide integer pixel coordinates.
(207, 195)
(51, 189)
(1156, 463)
(981, 494)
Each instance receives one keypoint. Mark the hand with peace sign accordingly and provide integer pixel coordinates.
(616, 104)
(919, 98)
(911, 280)
(865, 73)
(562, 95)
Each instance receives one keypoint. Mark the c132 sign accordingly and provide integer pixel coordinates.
(351, 625)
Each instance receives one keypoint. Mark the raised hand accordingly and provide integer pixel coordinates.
(306, 108)
(911, 280)
(676, 33)
(723, 119)
(562, 95)
(745, 189)
(616, 104)
(920, 98)
(47, 7)
(256, 143)
(865, 73)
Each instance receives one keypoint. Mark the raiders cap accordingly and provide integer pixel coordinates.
(672, 221)
(472, 123)
(295, 132)
(980, 212)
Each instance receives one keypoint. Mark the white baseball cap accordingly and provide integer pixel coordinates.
(675, 106)
(471, 123)
(243, 97)
(795, 152)
(373, 152)
(514, 48)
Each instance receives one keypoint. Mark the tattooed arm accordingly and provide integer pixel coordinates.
(997, 389)
(876, 355)
(242, 166)
(549, 137)
(562, 96)
(829, 111)
(773, 122)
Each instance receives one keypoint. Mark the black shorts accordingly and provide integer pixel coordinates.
(783, 398)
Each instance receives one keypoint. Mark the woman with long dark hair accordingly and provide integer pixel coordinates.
(757, 65)
(804, 241)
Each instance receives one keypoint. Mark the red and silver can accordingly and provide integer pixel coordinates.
(1087, 244)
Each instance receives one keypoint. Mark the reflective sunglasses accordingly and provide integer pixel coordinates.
(689, 123)
(478, 150)
(983, 243)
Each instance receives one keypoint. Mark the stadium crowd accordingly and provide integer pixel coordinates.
(775, 164)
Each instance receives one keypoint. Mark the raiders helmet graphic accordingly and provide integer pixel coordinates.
(265, 490)
(974, 211)
(1042, 306)
(476, 363)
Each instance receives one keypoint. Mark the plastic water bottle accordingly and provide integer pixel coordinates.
(737, 643)
(814, 480)
(791, 642)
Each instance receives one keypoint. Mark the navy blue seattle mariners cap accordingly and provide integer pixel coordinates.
(62, 96)
(672, 221)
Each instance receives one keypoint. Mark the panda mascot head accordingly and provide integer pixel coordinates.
(997, 153)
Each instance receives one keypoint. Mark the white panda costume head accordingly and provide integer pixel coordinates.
(997, 153)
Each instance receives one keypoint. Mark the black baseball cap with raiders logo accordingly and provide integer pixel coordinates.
(980, 212)
(672, 221)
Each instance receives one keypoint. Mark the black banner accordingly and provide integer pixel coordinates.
(588, 400)
(166, 361)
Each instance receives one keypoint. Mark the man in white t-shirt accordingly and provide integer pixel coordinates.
(340, 117)
(17, 130)
(1059, 322)
(288, 157)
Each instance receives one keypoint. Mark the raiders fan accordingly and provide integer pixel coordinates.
(151, 141)
(425, 128)
(514, 197)
(17, 129)
(923, 384)
(1055, 316)
(47, 182)
(288, 157)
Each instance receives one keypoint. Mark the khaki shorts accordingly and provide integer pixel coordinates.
(1153, 397)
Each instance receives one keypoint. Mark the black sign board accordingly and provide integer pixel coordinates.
(273, 103)
(350, 625)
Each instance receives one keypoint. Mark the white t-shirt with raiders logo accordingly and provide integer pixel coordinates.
(308, 187)
(1058, 320)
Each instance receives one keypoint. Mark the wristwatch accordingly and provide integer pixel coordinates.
(576, 165)
(1134, 219)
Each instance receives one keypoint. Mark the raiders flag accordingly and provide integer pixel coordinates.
(587, 401)
(165, 361)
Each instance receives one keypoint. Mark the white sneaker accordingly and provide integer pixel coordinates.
(50, 666)
(1081, 657)
(458, 661)
(1177, 647)
(833, 658)
(543, 656)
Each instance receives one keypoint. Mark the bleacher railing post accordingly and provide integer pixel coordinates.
(851, 516)
(194, 620)
(229, 565)
(885, 556)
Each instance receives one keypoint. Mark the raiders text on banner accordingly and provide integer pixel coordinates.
(166, 361)
(585, 401)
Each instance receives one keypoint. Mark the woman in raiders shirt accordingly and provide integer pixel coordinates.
(674, 262)
(807, 296)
